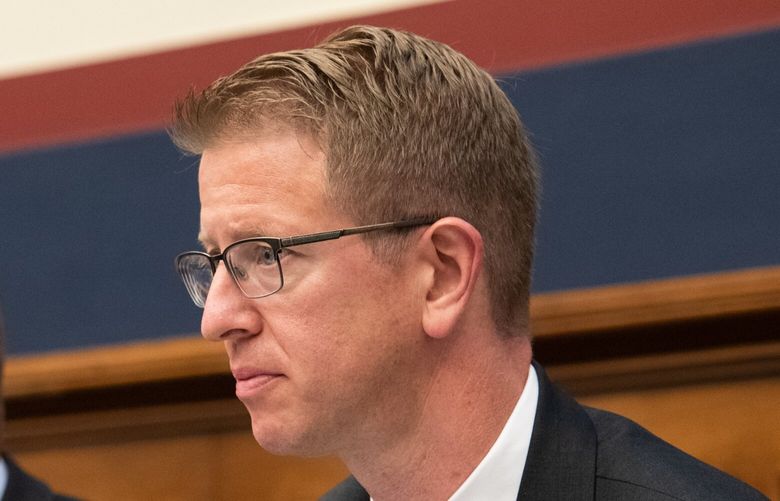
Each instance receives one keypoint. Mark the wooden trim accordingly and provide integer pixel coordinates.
(669, 369)
(562, 317)
(131, 363)
(123, 424)
(656, 302)
(226, 413)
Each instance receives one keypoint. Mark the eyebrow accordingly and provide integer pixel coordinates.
(204, 242)
(208, 244)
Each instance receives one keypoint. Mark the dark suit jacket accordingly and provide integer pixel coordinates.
(579, 453)
(23, 487)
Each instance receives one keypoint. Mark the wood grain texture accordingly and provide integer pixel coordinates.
(669, 369)
(656, 302)
(695, 360)
(732, 425)
(208, 467)
(112, 366)
(569, 316)
(206, 450)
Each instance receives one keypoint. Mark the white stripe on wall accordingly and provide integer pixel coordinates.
(43, 35)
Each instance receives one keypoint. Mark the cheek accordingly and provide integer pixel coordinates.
(342, 314)
(342, 325)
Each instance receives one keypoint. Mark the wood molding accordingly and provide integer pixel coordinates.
(85, 424)
(598, 317)
(124, 424)
(672, 354)
(656, 302)
(669, 369)
(132, 363)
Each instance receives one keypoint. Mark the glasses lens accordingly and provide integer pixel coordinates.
(255, 268)
(196, 273)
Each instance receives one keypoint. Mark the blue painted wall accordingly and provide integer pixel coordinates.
(659, 164)
(655, 165)
(89, 236)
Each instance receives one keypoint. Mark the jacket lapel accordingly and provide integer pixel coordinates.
(348, 490)
(561, 461)
(23, 487)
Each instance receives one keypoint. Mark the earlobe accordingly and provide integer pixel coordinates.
(455, 251)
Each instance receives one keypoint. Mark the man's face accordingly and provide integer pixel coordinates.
(329, 361)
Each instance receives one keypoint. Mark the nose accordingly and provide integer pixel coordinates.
(228, 313)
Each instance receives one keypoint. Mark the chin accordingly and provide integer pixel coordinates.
(286, 440)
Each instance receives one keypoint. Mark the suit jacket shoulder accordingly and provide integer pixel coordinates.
(23, 487)
(633, 463)
(583, 454)
(347, 490)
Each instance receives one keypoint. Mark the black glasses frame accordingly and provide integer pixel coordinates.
(277, 244)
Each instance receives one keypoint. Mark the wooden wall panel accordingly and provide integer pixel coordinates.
(223, 466)
(731, 425)
(181, 468)
(734, 426)
(696, 360)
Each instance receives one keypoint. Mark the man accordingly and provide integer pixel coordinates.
(405, 350)
(15, 484)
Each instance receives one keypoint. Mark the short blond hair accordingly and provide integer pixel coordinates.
(410, 128)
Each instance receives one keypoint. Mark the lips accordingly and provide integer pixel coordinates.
(252, 381)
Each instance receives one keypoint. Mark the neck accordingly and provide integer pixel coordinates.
(471, 388)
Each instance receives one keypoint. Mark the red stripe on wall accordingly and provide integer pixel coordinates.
(137, 93)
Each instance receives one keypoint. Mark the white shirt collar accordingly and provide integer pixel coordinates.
(3, 476)
(497, 477)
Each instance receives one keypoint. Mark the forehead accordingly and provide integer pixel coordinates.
(251, 159)
(272, 185)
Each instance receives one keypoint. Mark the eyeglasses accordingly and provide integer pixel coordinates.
(254, 262)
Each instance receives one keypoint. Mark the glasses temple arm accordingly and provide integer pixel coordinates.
(311, 238)
(332, 235)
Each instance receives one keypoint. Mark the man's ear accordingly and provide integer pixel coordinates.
(454, 249)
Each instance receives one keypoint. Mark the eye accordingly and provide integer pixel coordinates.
(240, 273)
(265, 256)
